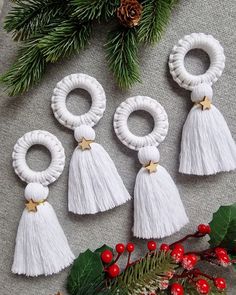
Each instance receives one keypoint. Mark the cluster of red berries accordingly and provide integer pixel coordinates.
(202, 286)
(188, 261)
(204, 229)
(107, 257)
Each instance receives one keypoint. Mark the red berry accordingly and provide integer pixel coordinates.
(222, 256)
(165, 247)
(151, 245)
(204, 229)
(120, 248)
(113, 270)
(224, 260)
(130, 247)
(179, 247)
(220, 284)
(177, 255)
(202, 286)
(107, 256)
(189, 261)
(177, 289)
(221, 251)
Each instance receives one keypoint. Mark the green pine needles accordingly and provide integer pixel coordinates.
(122, 55)
(50, 30)
(145, 275)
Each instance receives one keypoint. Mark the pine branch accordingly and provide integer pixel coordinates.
(146, 274)
(69, 37)
(26, 71)
(27, 18)
(155, 16)
(122, 55)
(87, 10)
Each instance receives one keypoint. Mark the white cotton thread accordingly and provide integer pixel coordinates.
(64, 87)
(55, 148)
(41, 246)
(196, 41)
(84, 131)
(158, 209)
(207, 146)
(149, 105)
(94, 183)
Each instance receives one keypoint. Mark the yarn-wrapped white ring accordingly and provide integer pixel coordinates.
(196, 41)
(70, 83)
(149, 105)
(57, 157)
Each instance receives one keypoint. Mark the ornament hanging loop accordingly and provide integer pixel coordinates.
(193, 41)
(149, 105)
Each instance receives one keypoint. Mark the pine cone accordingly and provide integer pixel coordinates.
(129, 13)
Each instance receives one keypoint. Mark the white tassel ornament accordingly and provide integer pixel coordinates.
(94, 183)
(41, 246)
(207, 146)
(158, 209)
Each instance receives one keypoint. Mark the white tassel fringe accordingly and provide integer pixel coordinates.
(94, 183)
(158, 209)
(41, 246)
(207, 145)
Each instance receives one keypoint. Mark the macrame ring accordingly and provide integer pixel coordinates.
(64, 87)
(149, 105)
(57, 157)
(196, 41)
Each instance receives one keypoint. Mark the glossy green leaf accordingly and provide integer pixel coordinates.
(223, 228)
(86, 274)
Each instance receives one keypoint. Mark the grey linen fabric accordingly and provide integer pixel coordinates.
(201, 195)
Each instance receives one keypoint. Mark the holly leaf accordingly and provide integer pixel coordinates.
(86, 274)
(223, 228)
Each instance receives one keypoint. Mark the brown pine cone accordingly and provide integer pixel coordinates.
(129, 13)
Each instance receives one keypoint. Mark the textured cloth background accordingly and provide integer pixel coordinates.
(201, 195)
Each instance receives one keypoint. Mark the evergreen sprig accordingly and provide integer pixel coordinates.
(53, 29)
(27, 70)
(122, 55)
(67, 38)
(155, 17)
(146, 274)
(27, 18)
(88, 10)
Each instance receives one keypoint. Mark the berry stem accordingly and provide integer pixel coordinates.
(117, 257)
(195, 235)
(195, 272)
(128, 261)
